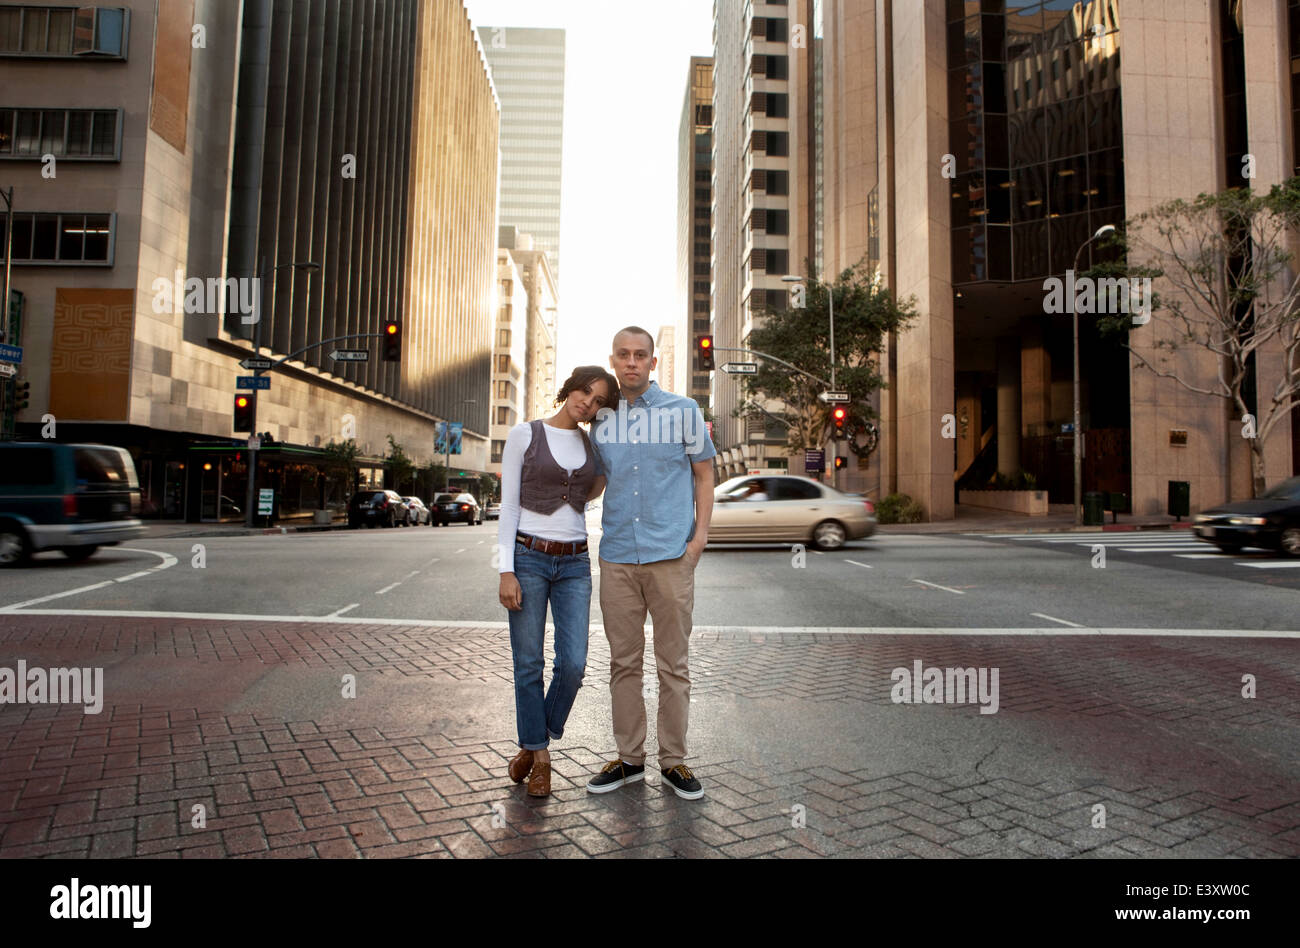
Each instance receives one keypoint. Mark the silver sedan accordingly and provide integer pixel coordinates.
(767, 509)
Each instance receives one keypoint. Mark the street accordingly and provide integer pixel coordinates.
(225, 687)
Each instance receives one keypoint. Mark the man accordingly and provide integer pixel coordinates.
(657, 454)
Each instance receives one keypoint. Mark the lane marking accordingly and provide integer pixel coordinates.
(1272, 564)
(1073, 625)
(414, 572)
(1204, 556)
(863, 565)
(461, 550)
(723, 629)
(432, 561)
(937, 586)
(387, 589)
(168, 561)
(343, 610)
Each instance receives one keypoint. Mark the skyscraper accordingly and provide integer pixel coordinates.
(694, 227)
(528, 71)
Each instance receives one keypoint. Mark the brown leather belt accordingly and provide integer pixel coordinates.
(553, 547)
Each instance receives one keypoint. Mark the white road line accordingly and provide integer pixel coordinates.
(387, 589)
(461, 550)
(1039, 615)
(414, 572)
(863, 565)
(168, 561)
(1272, 564)
(1203, 556)
(1155, 549)
(480, 542)
(333, 615)
(728, 629)
(818, 553)
(937, 586)
(432, 561)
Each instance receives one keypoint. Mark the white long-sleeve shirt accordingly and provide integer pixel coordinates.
(565, 525)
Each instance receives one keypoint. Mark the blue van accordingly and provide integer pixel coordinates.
(73, 498)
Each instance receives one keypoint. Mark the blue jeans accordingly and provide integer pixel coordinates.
(564, 582)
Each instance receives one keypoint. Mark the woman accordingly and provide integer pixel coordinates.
(548, 475)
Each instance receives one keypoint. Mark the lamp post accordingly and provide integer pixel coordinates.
(1077, 426)
(250, 498)
(446, 441)
(830, 302)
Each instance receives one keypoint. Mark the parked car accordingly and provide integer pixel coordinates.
(73, 498)
(377, 508)
(419, 514)
(493, 512)
(788, 509)
(456, 508)
(1270, 521)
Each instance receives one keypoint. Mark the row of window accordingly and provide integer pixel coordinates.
(771, 220)
(51, 239)
(772, 104)
(41, 31)
(770, 261)
(776, 144)
(773, 182)
(84, 134)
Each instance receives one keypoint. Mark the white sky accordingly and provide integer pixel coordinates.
(625, 80)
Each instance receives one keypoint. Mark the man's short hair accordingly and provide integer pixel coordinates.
(637, 331)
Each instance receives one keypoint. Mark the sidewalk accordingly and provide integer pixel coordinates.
(168, 530)
(1059, 520)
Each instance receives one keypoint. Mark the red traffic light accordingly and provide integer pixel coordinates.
(704, 354)
(243, 421)
(392, 342)
(839, 414)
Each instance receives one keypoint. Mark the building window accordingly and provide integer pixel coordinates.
(702, 175)
(503, 364)
(702, 194)
(701, 250)
(74, 134)
(64, 32)
(778, 182)
(701, 287)
(701, 325)
(777, 67)
(701, 269)
(62, 239)
(503, 338)
(498, 448)
(702, 230)
(700, 382)
(778, 105)
(505, 391)
(700, 306)
(504, 415)
(778, 261)
(775, 28)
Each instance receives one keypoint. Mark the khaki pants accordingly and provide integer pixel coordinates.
(667, 590)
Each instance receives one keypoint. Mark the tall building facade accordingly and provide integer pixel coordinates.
(755, 79)
(528, 70)
(969, 150)
(193, 177)
(542, 379)
(694, 230)
(509, 355)
(666, 353)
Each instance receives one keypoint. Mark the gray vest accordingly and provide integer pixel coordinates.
(544, 486)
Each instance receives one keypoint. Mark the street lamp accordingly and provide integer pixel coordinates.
(446, 441)
(308, 266)
(1105, 231)
(830, 302)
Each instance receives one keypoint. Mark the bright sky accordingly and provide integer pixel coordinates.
(625, 81)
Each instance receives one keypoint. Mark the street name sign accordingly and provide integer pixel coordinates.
(740, 368)
(256, 365)
(834, 398)
(12, 354)
(350, 355)
(253, 383)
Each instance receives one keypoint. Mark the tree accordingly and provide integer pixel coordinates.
(1227, 261)
(400, 463)
(487, 487)
(432, 478)
(340, 466)
(865, 313)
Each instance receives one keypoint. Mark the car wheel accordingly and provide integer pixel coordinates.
(15, 550)
(1229, 547)
(1290, 542)
(78, 554)
(829, 535)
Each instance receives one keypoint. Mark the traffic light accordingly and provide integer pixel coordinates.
(244, 413)
(840, 415)
(22, 394)
(704, 354)
(392, 341)
(841, 462)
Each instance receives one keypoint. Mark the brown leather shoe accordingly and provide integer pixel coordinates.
(539, 781)
(520, 764)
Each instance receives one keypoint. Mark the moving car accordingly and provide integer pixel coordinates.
(73, 498)
(419, 514)
(493, 512)
(1270, 521)
(377, 508)
(787, 509)
(456, 508)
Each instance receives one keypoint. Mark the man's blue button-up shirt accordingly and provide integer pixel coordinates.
(647, 448)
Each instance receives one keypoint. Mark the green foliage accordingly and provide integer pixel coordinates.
(865, 314)
(400, 463)
(340, 462)
(899, 508)
(1021, 480)
(432, 477)
(487, 489)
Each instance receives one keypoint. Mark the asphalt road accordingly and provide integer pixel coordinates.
(890, 581)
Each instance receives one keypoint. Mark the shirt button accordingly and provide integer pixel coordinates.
(636, 493)
(565, 497)
(637, 519)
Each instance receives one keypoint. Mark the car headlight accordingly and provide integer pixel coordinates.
(1248, 521)
(1202, 518)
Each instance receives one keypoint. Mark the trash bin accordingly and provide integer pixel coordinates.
(1180, 499)
(1094, 503)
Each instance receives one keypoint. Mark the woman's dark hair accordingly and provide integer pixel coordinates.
(585, 375)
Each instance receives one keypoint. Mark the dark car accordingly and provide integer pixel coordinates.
(377, 508)
(1270, 521)
(73, 498)
(456, 508)
(419, 514)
